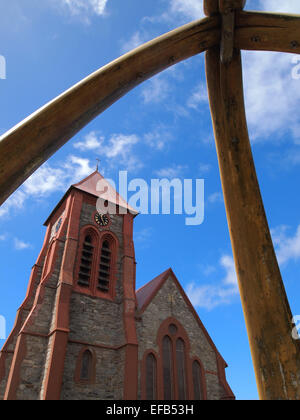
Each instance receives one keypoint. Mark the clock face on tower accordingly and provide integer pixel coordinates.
(102, 219)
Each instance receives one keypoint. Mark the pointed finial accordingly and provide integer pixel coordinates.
(98, 162)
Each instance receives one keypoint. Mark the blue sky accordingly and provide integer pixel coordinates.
(162, 128)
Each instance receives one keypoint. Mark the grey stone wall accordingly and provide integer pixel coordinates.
(109, 376)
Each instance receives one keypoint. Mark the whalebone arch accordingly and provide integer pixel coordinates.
(43, 133)
(223, 34)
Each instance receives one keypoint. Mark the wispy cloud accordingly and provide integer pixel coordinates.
(216, 197)
(287, 246)
(190, 9)
(174, 171)
(83, 9)
(209, 296)
(159, 138)
(21, 245)
(47, 180)
(290, 6)
(91, 142)
(14, 203)
(199, 96)
(117, 149)
(136, 40)
(272, 96)
(204, 168)
(2, 238)
(156, 90)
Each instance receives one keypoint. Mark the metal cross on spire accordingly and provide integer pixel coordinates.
(98, 163)
(225, 31)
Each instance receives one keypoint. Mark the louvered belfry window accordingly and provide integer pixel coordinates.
(85, 269)
(151, 377)
(105, 268)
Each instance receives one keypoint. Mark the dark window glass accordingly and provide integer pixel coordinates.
(180, 359)
(167, 368)
(104, 268)
(84, 275)
(86, 366)
(197, 381)
(151, 377)
(172, 329)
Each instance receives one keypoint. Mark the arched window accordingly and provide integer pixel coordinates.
(85, 269)
(105, 268)
(197, 379)
(168, 368)
(151, 377)
(86, 366)
(180, 362)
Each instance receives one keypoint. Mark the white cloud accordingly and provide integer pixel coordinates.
(290, 6)
(14, 203)
(136, 40)
(287, 247)
(47, 180)
(209, 296)
(156, 90)
(189, 9)
(117, 149)
(84, 7)
(119, 145)
(44, 181)
(2, 237)
(21, 245)
(198, 97)
(272, 95)
(171, 172)
(216, 197)
(159, 138)
(91, 142)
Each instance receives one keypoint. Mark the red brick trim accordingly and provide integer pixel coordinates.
(59, 340)
(222, 379)
(129, 297)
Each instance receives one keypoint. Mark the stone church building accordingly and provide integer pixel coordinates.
(84, 332)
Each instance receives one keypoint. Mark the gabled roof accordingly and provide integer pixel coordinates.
(96, 185)
(148, 292)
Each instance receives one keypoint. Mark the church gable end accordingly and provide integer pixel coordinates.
(168, 324)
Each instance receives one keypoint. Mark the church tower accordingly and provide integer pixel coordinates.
(80, 301)
(83, 332)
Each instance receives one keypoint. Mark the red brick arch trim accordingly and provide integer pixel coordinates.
(92, 373)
